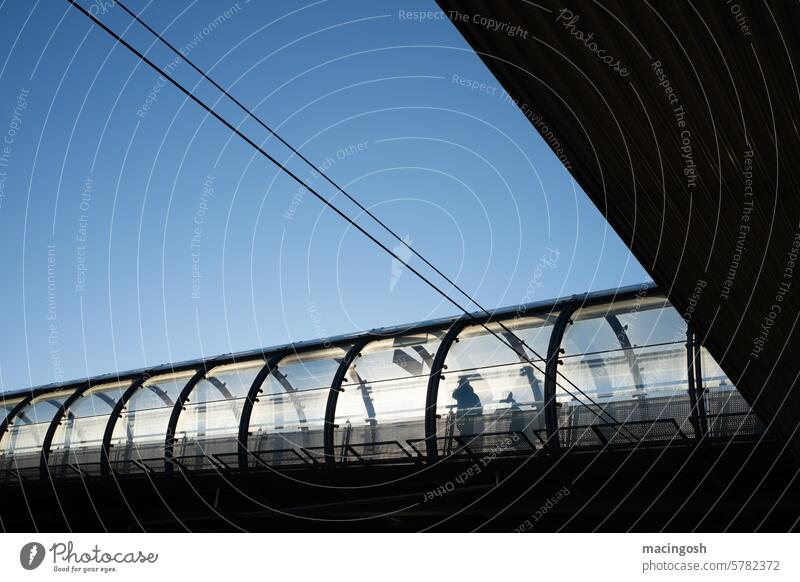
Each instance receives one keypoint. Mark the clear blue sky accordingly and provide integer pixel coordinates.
(132, 238)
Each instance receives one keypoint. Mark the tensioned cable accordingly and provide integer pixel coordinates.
(333, 207)
(355, 201)
(296, 152)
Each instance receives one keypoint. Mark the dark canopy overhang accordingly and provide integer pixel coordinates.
(680, 121)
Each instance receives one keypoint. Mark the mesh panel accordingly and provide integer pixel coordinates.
(498, 443)
(729, 415)
(284, 448)
(506, 421)
(8, 476)
(93, 469)
(657, 431)
(378, 441)
(131, 458)
(28, 473)
(84, 460)
(199, 455)
(379, 451)
(277, 458)
(452, 446)
(578, 436)
(131, 452)
(127, 467)
(644, 416)
(316, 454)
(21, 462)
(196, 463)
(304, 439)
(64, 471)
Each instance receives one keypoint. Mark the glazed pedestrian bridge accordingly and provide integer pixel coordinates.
(617, 369)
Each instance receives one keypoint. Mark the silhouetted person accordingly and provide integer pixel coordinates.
(509, 399)
(517, 422)
(468, 407)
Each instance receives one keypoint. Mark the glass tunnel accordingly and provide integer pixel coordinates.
(612, 369)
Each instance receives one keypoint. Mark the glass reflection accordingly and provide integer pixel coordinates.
(208, 427)
(290, 411)
(140, 432)
(21, 446)
(493, 386)
(624, 363)
(382, 405)
(79, 436)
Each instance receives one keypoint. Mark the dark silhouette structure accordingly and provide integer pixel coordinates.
(409, 428)
(679, 121)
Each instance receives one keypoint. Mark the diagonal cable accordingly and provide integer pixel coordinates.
(333, 207)
(355, 201)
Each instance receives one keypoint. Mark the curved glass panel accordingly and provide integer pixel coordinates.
(21, 446)
(290, 411)
(208, 427)
(630, 358)
(382, 406)
(79, 435)
(140, 431)
(492, 396)
(6, 406)
(623, 379)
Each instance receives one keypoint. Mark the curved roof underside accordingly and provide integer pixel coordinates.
(664, 113)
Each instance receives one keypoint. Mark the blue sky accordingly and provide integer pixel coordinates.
(136, 230)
